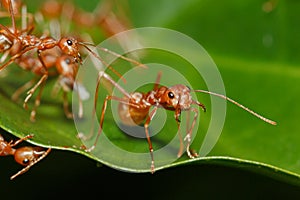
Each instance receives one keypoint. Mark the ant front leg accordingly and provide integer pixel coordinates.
(68, 113)
(188, 136)
(177, 115)
(146, 125)
(12, 144)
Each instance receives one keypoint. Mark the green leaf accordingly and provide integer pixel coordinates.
(257, 56)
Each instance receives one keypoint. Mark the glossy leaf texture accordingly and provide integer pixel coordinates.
(255, 46)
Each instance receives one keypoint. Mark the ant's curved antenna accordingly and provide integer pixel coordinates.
(239, 105)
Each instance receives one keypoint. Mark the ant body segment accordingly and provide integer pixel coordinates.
(26, 156)
(134, 109)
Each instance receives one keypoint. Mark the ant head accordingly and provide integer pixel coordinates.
(27, 155)
(177, 97)
(69, 46)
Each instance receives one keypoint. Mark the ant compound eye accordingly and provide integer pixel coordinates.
(69, 42)
(68, 61)
(25, 161)
(171, 95)
(188, 87)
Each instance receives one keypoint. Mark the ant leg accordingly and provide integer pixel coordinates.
(80, 135)
(180, 140)
(108, 98)
(108, 78)
(25, 169)
(80, 106)
(189, 134)
(177, 115)
(11, 12)
(32, 90)
(21, 90)
(156, 85)
(4, 56)
(146, 125)
(16, 56)
(12, 144)
(2, 141)
(101, 120)
(40, 83)
(121, 100)
(37, 102)
(68, 113)
(27, 26)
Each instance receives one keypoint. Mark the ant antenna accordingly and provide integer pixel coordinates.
(115, 54)
(11, 10)
(239, 105)
(101, 60)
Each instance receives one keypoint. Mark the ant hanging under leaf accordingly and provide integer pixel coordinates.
(26, 156)
(134, 109)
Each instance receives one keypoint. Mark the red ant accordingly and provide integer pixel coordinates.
(134, 108)
(26, 156)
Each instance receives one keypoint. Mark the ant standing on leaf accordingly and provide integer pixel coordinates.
(134, 109)
(26, 156)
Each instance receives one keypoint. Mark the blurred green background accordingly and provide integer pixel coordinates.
(255, 46)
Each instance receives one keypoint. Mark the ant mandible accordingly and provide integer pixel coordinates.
(26, 156)
(134, 109)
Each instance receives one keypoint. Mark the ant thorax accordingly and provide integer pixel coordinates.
(29, 40)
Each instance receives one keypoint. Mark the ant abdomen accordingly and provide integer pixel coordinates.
(131, 115)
